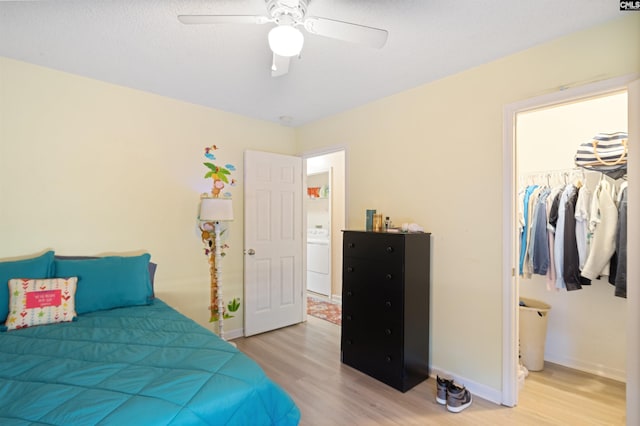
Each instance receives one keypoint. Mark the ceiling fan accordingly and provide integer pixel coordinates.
(285, 39)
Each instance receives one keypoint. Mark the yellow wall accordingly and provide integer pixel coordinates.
(88, 167)
(433, 155)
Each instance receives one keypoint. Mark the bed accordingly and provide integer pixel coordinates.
(142, 363)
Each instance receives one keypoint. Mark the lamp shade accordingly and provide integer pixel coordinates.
(216, 209)
(285, 40)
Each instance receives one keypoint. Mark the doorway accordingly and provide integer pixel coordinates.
(511, 289)
(325, 217)
(318, 203)
(586, 325)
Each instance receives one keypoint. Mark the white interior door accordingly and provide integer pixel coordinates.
(272, 241)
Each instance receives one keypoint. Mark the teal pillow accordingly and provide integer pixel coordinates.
(37, 267)
(108, 282)
(152, 267)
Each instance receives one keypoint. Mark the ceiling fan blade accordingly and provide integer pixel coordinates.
(223, 19)
(280, 65)
(360, 34)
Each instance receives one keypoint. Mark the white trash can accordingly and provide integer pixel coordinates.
(533, 332)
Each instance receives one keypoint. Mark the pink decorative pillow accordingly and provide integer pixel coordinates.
(41, 301)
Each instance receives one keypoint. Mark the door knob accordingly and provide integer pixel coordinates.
(251, 252)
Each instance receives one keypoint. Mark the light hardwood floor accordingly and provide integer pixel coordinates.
(305, 360)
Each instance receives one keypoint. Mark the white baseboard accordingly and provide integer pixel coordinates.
(233, 334)
(476, 389)
(588, 367)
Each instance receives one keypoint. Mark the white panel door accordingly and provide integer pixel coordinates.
(272, 241)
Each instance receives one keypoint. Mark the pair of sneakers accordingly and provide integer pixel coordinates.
(457, 398)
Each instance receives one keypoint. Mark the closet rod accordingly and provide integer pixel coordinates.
(555, 171)
(542, 175)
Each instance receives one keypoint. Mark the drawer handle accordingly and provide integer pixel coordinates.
(389, 249)
(387, 332)
(387, 303)
(389, 276)
(349, 293)
(351, 245)
(388, 358)
(349, 268)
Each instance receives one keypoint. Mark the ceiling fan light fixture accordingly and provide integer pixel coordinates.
(285, 40)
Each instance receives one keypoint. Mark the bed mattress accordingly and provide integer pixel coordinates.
(134, 365)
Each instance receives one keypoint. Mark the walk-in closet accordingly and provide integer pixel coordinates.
(586, 324)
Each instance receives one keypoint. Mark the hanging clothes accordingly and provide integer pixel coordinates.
(571, 234)
(621, 245)
(582, 224)
(524, 234)
(559, 237)
(571, 261)
(553, 201)
(539, 247)
(528, 260)
(603, 225)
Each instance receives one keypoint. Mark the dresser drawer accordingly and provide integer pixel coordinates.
(375, 322)
(374, 246)
(374, 312)
(388, 305)
(371, 274)
(371, 356)
(384, 365)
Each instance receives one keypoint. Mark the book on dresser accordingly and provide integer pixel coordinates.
(385, 306)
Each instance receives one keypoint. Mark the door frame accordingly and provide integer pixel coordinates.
(510, 290)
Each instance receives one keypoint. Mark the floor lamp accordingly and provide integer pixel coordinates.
(212, 212)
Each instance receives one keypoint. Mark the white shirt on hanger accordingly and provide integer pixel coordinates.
(603, 223)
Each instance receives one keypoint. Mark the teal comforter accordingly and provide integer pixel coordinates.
(143, 365)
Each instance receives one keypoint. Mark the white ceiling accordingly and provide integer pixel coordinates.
(141, 44)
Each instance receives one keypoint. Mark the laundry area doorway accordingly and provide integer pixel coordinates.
(325, 215)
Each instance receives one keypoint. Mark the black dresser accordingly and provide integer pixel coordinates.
(385, 306)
